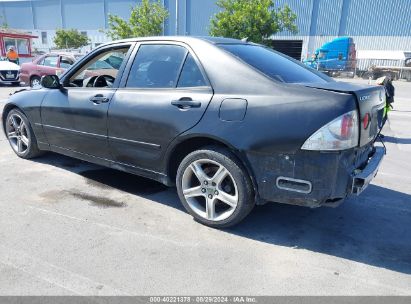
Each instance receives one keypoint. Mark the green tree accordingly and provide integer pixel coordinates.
(256, 20)
(3, 22)
(146, 19)
(70, 39)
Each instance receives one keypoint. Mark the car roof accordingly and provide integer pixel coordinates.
(187, 39)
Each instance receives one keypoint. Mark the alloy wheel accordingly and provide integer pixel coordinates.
(210, 190)
(17, 134)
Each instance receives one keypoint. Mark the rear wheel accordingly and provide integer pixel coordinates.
(35, 81)
(21, 136)
(214, 188)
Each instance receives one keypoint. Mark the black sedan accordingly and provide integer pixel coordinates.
(231, 124)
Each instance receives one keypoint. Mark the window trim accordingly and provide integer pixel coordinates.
(80, 63)
(127, 70)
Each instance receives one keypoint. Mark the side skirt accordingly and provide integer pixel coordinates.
(157, 176)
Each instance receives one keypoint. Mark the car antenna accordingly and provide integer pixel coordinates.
(245, 39)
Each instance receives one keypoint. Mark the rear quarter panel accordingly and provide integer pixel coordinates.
(278, 122)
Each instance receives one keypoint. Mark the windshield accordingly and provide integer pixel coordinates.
(275, 65)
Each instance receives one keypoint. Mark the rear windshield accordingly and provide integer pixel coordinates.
(275, 65)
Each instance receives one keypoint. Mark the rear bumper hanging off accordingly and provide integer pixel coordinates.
(362, 180)
(314, 179)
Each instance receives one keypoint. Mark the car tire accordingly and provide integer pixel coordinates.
(214, 187)
(34, 81)
(21, 136)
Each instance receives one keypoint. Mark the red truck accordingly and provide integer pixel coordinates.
(48, 64)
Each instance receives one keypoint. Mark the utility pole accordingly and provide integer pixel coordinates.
(176, 17)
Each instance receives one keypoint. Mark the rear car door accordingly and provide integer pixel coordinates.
(166, 93)
(75, 117)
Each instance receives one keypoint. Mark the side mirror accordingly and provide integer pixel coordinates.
(50, 82)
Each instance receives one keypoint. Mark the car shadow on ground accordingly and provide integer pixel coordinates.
(374, 228)
(106, 178)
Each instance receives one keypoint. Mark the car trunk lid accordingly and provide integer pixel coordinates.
(370, 103)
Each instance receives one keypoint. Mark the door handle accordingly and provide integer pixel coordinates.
(186, 103)
(99, 99)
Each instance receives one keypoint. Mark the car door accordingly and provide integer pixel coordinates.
(166, 93)
(75, 117)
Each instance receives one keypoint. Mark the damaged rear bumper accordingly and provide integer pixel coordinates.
(312, 178)
(362, 179)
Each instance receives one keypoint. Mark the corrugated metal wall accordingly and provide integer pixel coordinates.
(315, 17)
(303, 9)
(46, 14)
(329, 18)
(199, 15)
(374, 24)
(379, 18)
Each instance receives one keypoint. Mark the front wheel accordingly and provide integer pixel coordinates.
(214, 188)
(21, 136)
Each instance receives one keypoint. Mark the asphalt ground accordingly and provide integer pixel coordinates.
(72, 228)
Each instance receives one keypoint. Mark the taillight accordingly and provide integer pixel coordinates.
(340, 134)
(346, 126)
(366, 121)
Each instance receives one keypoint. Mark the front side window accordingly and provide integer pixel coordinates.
(101, 70)
(157, 66)
(273, 64)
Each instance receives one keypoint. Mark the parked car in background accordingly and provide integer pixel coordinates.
(9, 73)
(48, 64)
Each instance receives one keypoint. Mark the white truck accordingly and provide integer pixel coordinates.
(375, 64)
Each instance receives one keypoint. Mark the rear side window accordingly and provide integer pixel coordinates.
(156, 66)
(273, 64)
(191, 75)
(50, 61)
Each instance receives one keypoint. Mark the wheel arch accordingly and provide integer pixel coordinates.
(184, 146)
(6, 110)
